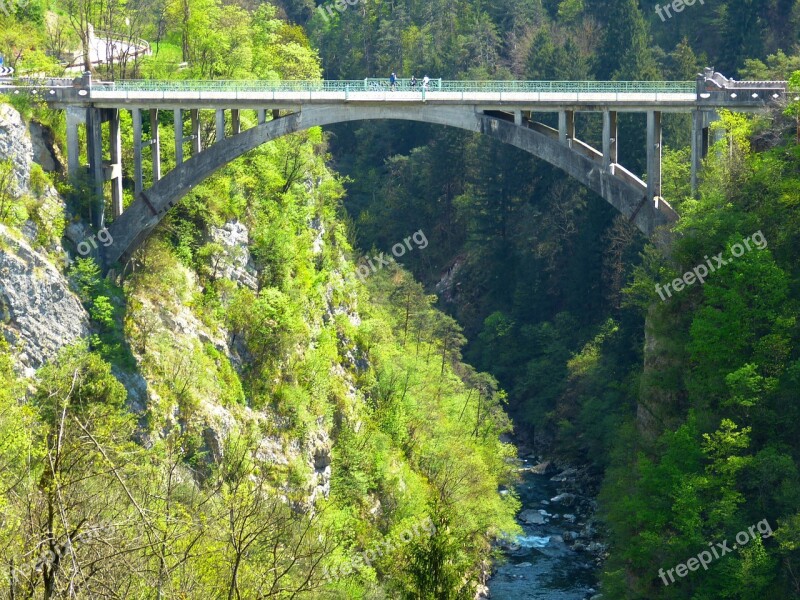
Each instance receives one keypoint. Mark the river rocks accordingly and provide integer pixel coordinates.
(565, 499)
(565, 475)
(544, 468)
(532, 517)
(38, 313)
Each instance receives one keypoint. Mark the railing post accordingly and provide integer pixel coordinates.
(346, 92)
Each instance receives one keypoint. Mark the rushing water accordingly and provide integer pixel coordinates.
(540, 565)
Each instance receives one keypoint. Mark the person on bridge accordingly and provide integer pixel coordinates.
(393, 80)
(413, 81)
(425, 81)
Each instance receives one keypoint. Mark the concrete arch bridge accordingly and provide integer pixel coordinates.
(504, 110)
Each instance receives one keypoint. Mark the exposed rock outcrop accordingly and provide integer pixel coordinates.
(235, 263)
(16, 146)
(45, 152)
(38, 312)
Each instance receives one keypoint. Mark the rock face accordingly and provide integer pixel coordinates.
(16, 146)
(235, 263)
(45, 151)
(662, 363)
(38, 312)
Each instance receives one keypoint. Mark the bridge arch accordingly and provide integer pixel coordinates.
(623, 191)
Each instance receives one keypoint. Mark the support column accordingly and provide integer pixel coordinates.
(136, 117)
(235, 122)
(178, 123)
(220, 125)
(566, 126)
(654, 155)
(517, 117)
(194, 115)
(610, 153)
(262, 116)
(94, 139)
(115, 142)
(155, 144)
(713, 136)
(75, 117)
(699, 145)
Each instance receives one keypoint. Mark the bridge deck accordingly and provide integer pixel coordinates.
(521, 100)
(669, 96)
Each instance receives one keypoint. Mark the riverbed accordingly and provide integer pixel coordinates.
(540, 564)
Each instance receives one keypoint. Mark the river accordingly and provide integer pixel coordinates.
(541, 564)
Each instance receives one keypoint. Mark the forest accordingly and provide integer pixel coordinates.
(297, 419)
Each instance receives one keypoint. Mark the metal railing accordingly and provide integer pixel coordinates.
(403, 85)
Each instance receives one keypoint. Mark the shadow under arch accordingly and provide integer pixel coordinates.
(625, 193)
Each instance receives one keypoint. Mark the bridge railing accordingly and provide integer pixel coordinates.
(374, 84)
(571, 86)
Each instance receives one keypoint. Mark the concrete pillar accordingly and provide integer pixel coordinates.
(715, 135)
(262, 116)
(610, 132)
(236, 126)
(653, 155)
(115, 142)
(155, 144)
(220, 125)
(75, 117)
(699, 145)
(136, 117)
(194, 115)
(94, 139)
(566, 126)
(178, 120)
(517, 117)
